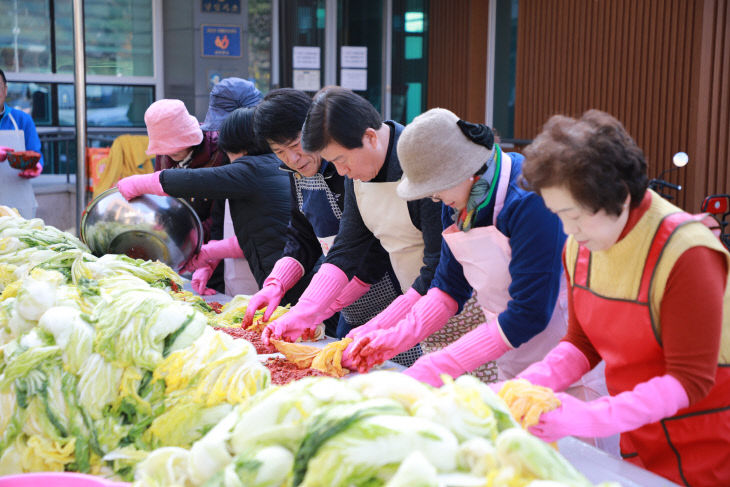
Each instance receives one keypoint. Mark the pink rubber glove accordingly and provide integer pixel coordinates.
(200, 278)
(286, 272)
(560, 368)
(214, 251)
(326, 285)
(390, 316)
(481, 345)
(31, 172)
(658, 398)
(428, 315)
(4, 152)
(354, 290)
(133, 186)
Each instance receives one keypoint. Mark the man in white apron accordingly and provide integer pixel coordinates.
(363, 147)
(17, 133)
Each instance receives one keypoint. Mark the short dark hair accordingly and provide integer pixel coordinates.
(594, 157)
(337, 114)
(236, 134)
(2, 75)
(279, 117)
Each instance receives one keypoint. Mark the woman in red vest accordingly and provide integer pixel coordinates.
(648, 295)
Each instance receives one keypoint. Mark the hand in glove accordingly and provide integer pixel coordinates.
(4, 152)
(286, 272)
(650, 401)
(390, 316)
(139, 184)
(326, 285)
(428, 315)
(481, 345)
(31, 172)
(200, 278)
(560, 368)
(214, 251)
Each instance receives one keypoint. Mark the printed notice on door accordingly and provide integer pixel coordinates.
(354, 79)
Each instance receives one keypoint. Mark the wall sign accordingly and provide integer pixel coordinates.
(353, 57)
(354, 79)
(222, 6)
(221, 40)
(305, 57)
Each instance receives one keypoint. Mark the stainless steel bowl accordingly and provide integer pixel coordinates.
(148, 227)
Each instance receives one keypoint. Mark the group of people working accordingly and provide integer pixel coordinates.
(383, 232)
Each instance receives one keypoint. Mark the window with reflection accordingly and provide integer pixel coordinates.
(32, 98)
(106, 105)
(118, 36)
(25, 36)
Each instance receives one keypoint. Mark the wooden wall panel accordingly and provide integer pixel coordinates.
(457, 59)
(710, 128)
(662, 67)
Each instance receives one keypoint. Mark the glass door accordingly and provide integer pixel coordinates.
(360, 48)
(410, 59)
(302, 41)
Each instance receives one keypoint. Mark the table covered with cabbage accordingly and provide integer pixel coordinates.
(105, 368)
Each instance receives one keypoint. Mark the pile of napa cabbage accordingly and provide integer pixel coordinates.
(98, 363)
(379, 429)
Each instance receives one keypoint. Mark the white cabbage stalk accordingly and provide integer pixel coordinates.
(71, 332)
(38, 293)
(165, 467)
(392, 385)
(98, 384)
(415, 471)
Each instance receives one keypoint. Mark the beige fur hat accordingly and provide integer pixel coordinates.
(435, 155)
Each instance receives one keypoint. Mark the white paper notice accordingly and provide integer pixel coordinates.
(305, 57)
(306, 79)
(354, 79)
(353, 57)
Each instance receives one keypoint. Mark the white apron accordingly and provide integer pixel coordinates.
(386, 216)
(16, 192)
(237, 273)
(485, 254)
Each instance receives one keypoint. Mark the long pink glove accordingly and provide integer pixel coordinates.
(286, 272)
(213, 251)
(428, 315)
(133, 186)
(481, 345)
(201, 276)
(648, 402)
(354, 290)
(33, 172)
(4, 152)
(326, 285)
(390, 316)
(560, 368)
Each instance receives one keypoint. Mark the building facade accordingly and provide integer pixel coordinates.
(660, 66)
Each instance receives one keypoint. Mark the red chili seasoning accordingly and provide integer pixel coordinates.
(283, 371)
(251, 336)
(216, 306)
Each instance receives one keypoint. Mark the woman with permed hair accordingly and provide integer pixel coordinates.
(647, 294)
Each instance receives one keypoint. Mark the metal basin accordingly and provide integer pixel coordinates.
(148, 227)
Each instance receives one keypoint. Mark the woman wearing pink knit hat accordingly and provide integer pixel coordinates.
(177, 141)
